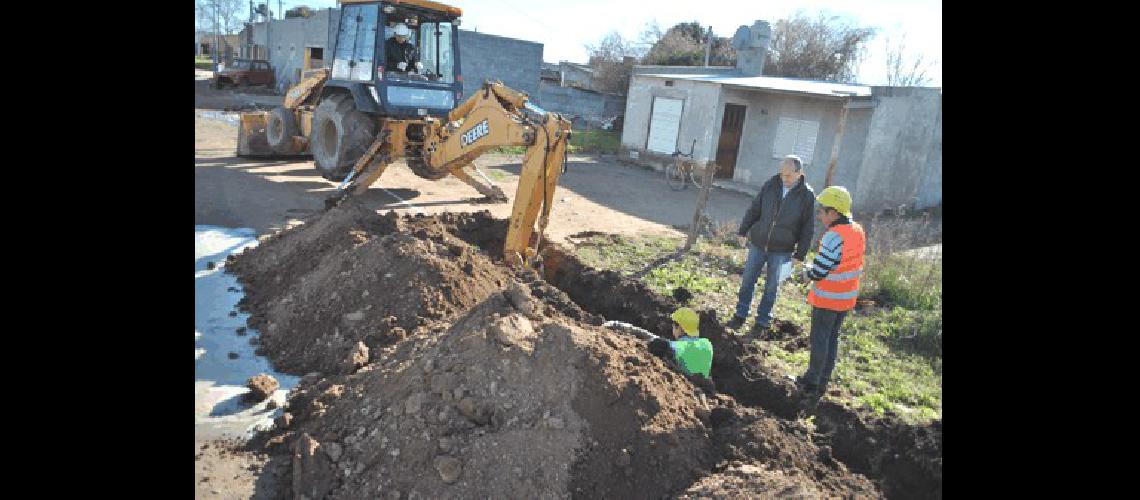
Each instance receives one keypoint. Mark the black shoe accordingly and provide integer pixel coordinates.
(806, 387)
(735, 322)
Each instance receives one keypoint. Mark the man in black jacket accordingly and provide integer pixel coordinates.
(779, 227)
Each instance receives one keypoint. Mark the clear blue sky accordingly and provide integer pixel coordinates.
(565, 27)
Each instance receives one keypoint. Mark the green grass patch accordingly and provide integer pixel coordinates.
(595, 142)
(509, 150)
(624, 255)
(890, 357)
(908, 282)
(873, 368)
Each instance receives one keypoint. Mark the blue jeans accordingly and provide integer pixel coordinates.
(824, 345)
(779, 267)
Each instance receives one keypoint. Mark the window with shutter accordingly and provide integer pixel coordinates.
(795, 137)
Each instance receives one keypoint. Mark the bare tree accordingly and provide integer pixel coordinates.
(648, 37)
(903, 70)
(828, 47)
(231, 15)
(203, 15)
(612, 59)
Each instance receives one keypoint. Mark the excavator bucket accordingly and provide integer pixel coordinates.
(252, 140)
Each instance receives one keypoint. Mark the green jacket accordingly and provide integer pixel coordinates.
(693, 354)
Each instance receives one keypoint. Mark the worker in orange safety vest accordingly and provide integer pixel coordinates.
(835, 273)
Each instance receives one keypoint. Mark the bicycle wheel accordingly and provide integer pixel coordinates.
(696, 174)
(674, 177)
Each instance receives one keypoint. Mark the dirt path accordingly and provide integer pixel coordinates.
(222, 471)
(596, 194)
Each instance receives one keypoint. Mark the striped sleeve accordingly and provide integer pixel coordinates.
(828, 256)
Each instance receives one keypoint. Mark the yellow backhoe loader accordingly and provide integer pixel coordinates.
(376, 105)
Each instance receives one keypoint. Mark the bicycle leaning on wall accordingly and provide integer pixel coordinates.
(684, 170)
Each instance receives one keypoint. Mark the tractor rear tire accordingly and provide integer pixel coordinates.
(341, 135)
(280, 128)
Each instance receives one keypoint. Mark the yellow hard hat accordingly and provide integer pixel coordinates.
(689, 321)
(836, 197)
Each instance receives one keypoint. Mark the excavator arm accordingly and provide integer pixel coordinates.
(495, 116)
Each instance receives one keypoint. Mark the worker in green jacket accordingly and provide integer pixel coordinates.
(691, 354)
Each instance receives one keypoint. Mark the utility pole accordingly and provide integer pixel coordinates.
(279, 11)
(215, 35)
(835, 144)
(249, 33)
(702, 200)
(708, 45)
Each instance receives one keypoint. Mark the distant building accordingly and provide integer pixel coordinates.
(204, 45)
(886, 142)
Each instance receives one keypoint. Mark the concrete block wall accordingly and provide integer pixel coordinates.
(575, 75)
(592, 107)
(517, 63)
(903, 149)
(930, 187)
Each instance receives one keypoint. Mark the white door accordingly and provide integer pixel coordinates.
(664, 125)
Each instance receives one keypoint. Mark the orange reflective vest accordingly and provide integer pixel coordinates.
(838, 290)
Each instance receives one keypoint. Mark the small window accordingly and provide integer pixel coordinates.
(435, 52)
(356, 43)
(795, 137)
(668, 83)
(316, 53)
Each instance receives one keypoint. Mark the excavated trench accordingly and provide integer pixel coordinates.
(904, 461)
(907, 459)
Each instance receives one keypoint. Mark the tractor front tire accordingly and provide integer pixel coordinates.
(341, 135)
(280, 127)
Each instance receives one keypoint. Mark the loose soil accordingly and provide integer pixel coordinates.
(436, 371)
(228, 469)
(906, 460)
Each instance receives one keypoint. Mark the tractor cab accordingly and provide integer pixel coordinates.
(398, 59)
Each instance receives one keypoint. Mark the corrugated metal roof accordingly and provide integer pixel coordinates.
(773, 83)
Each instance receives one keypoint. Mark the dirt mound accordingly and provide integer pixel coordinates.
(786, 446)
(499, 402)
(750, 481)
(350, 276)
(439, 372)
